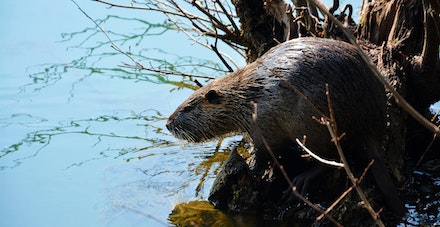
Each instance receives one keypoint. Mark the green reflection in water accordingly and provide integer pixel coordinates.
(92, 127)
(198, 213)
(99, 58)
(129, 135)
(46, 141)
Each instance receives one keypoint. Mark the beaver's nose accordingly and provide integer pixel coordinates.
(169, 124)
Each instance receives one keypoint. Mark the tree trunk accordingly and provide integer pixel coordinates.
(407, 36)
(260, 30)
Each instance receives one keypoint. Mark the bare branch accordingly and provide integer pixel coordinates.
(137, 65)
(214, 48)
(346, 192)
(113, 45)
(324, 161)
(224, 55)
(228, 15)
(332, 128)
(165, 72)
(157, 9)
(215, 22)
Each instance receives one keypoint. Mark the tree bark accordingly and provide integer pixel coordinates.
(409, 31)
(259, 28)
(407, 38)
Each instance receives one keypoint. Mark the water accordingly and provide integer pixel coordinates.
(83, 139)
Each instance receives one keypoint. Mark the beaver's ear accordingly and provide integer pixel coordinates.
(213, 97)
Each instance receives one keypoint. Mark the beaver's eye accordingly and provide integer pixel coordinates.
(212, 97)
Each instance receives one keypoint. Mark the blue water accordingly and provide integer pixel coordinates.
(82, 148)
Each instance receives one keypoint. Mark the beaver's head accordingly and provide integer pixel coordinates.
(205, 115)
(218, 109)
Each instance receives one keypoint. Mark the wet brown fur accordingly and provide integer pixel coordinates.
(223, 107)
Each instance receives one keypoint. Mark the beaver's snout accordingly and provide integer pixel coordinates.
(182, 127)
(171, 123)
(174, 128)
(185, 126)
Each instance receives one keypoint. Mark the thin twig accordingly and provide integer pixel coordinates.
(324, 161)
(214, 47)
(112, 44)
(157, 8)
(435, 116)
(426, 151)
(137, 64)
(346, 192)
(222, 59)
(215, 22)
(228, 15)
(332, 128)
(224, 55)
(203, 26)
(165, 72)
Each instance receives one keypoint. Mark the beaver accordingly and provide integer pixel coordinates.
(225, 106)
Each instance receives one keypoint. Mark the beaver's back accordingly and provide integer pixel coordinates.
(308, 64)
(224, 105)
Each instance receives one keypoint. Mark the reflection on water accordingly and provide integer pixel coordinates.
(92, 128)
(83, 140)
(199, 213)
(99, 59)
